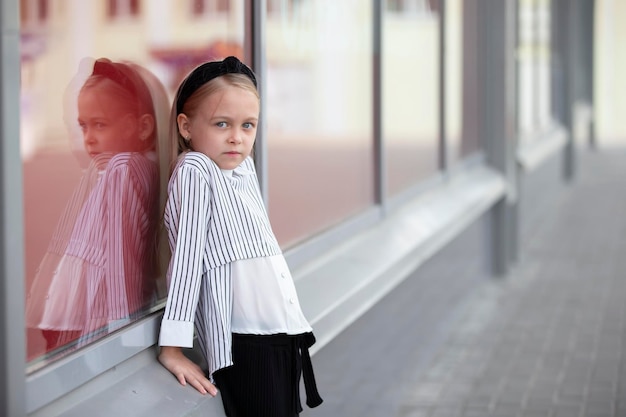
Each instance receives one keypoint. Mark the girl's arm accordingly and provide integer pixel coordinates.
(186, 371)
(189, 204)
(190, 211)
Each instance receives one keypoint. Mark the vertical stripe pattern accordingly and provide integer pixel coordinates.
(211, 221)
(99, 269)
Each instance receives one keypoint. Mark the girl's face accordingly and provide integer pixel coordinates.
(106, 125)
(224, 126)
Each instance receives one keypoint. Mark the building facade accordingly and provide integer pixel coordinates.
(389, 128)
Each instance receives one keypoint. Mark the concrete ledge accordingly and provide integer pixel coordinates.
(334, 289)
(339, 288)
(534, 151)
(139, 386)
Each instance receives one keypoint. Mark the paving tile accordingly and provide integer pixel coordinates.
(413, 411)
(545, 410)
(476, 411)
(546, 341)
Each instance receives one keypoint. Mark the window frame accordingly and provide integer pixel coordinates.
(70, 372)
(12, 303)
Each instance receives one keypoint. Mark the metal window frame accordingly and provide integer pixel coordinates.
(12, 335)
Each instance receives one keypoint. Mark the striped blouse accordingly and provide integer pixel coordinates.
(212, 221)
(100, 262)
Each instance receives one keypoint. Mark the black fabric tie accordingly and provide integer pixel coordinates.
(313, 398)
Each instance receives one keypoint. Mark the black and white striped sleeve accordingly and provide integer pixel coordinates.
(187, 212)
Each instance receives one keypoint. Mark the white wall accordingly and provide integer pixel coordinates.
(610, 72)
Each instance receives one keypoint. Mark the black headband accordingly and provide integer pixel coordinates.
(205, 73)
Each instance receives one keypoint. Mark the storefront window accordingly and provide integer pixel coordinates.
(472, 88)
(454, 80)
(34, 12)
(95, 99)
(544, 41)
(410, 92)
(319, 114)
(534, 67)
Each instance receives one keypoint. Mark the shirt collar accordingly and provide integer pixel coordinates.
(240, 171)
(244, 168)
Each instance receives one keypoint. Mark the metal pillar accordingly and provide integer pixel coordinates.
(497, 94)
(255, 45)
(12, 334)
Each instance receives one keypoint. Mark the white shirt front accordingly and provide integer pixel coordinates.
(265, 299)
(264, 296)
(215, 220)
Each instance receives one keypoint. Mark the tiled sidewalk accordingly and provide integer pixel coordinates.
(547, 341)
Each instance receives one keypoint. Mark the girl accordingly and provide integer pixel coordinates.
(99, 269)
(227, 276)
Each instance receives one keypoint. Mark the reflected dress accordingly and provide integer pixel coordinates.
(99, 269)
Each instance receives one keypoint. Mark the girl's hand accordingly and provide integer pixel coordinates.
(173, 359)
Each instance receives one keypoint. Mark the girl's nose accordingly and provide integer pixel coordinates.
(88, 137)
(236, 137)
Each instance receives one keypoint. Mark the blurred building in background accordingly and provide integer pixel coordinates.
(388, 128)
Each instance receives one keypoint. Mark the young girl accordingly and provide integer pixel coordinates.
(227, 276)
(99, 269)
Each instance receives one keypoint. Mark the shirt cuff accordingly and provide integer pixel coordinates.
(176, 333)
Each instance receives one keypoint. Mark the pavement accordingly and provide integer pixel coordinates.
(547, 340)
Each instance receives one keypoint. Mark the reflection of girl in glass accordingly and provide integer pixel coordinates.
(99, 270)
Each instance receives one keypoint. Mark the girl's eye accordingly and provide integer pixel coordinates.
(248, 125)
(99, 125)
(220, 124)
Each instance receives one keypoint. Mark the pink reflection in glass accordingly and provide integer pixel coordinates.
(99, 270)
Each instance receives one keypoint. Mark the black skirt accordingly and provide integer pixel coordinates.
(264, 380)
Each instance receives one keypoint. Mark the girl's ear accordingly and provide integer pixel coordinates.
(183, 125)
(146, 127)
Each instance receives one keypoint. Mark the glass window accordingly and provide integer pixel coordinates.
(534, 67)
(544, 41)
(472, 107)
(210, 7)
(453, 80)
(410, 92)
(319, 114)
(121, 8)
(91, 134)
(34, 13)
(525, 65)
